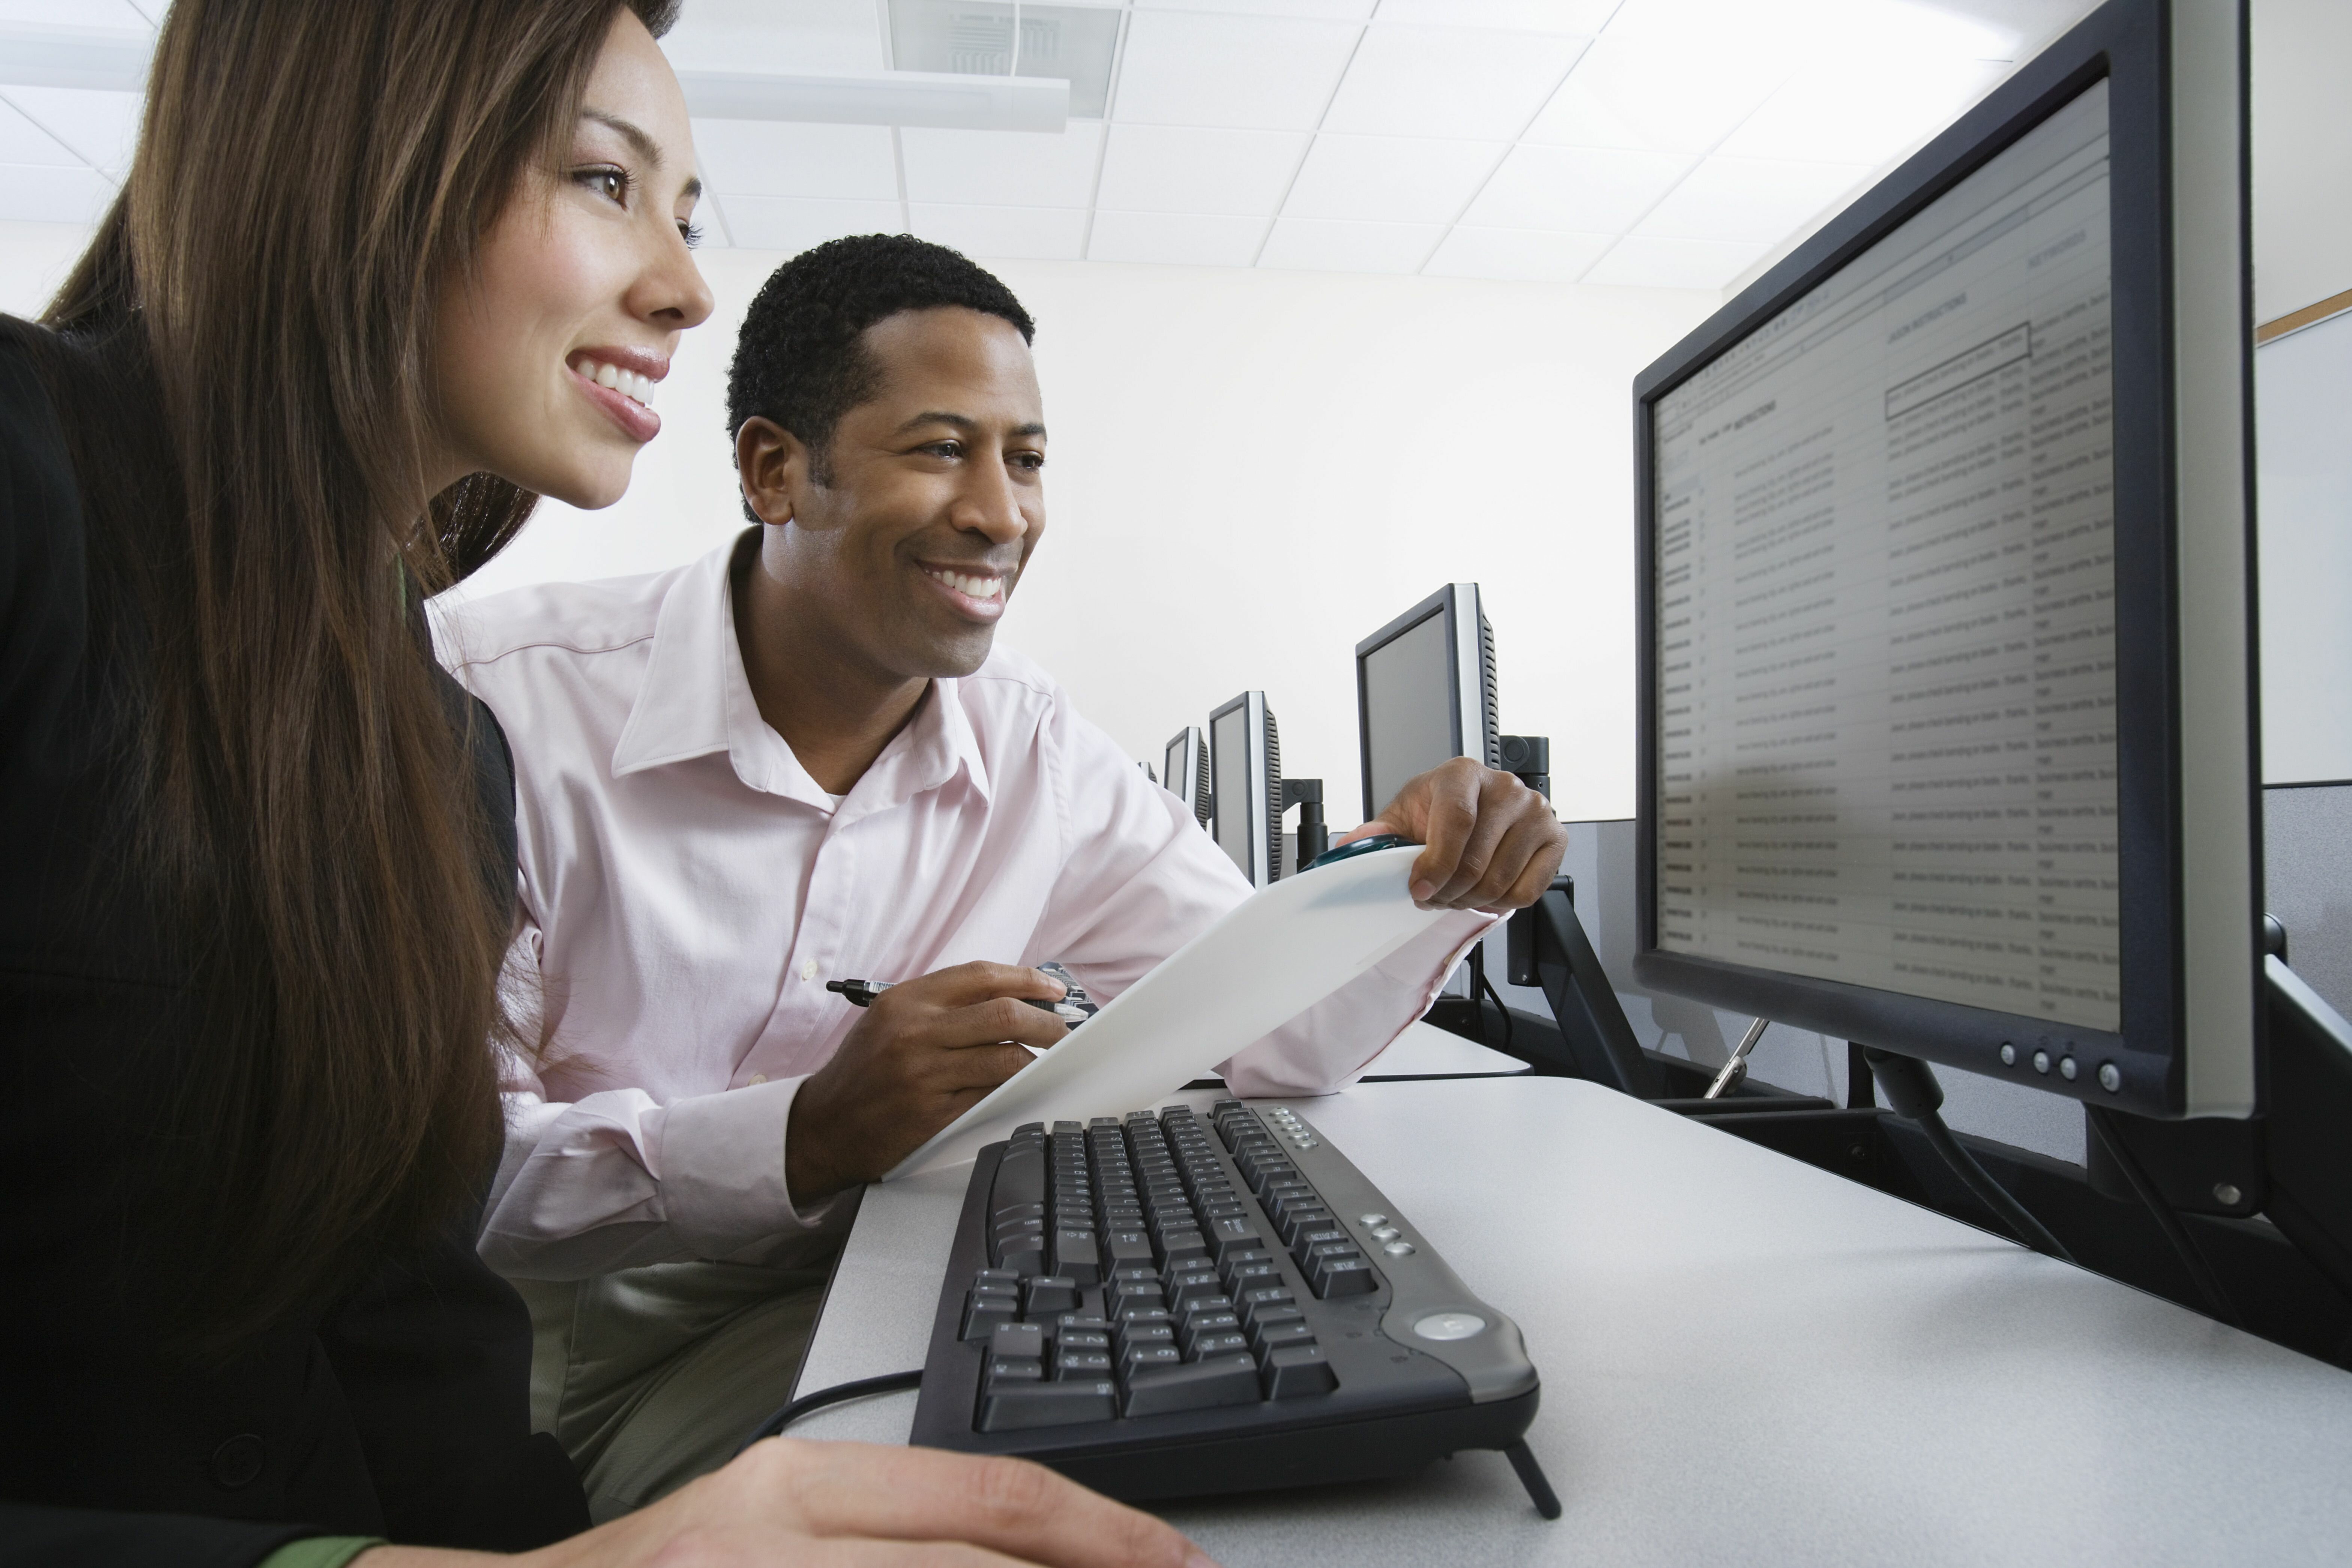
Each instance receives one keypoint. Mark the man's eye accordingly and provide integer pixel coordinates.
(1031, 461)
(945, 449)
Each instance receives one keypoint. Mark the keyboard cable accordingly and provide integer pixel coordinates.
(890, 1383)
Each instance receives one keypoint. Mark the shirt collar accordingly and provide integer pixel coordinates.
(695, 700)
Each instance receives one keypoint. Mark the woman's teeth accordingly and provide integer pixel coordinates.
(628, 384)
(977, 587)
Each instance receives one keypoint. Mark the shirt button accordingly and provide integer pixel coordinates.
(808, 970)
(758, 1078)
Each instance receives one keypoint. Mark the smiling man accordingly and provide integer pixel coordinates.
(803, 759)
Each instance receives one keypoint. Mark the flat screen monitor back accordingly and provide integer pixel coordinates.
(1228, 788)
(1907, 636)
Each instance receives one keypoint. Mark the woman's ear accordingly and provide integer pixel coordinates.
(772, 464)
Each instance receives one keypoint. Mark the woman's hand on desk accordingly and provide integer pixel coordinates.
(1494, 844)
(859, 1505)
(922, 1054)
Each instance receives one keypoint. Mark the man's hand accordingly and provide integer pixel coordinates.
(924, 1051)
(1494, 843)
(785, 1503)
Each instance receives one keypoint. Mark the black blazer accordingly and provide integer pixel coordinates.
(402, 1409)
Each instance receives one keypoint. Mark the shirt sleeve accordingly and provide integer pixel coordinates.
(617, 1178)
(1142, 879)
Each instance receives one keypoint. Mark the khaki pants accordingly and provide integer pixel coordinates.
(652, 1377)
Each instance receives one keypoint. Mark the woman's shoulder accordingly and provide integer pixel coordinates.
(40, 506)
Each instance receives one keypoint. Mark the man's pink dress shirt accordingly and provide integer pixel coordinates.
(686, 890)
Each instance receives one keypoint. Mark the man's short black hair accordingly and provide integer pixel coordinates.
(798, 360)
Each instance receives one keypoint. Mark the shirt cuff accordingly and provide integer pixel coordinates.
(321, 1551)
(722, 1170)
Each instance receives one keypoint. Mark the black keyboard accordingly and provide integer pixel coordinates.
(1171, 1307)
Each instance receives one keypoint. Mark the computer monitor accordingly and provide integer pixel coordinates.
(1946, 716)
(1245, 799)
(1425, 691)
(1186, 770)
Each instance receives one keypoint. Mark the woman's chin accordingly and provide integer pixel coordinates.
(589, 490)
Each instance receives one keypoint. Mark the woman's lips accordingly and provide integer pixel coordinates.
(636, 420)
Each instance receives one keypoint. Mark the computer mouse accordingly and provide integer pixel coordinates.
(1360, 847)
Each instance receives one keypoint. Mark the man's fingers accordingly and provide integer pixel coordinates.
(976, 1067)
(1535, 880)
(1481, 848)
(1449, 813)
(1523, 839)
(1021, 1510)
(966, 984)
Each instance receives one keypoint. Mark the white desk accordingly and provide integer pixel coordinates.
(1424, 1050)
(1745, 1360)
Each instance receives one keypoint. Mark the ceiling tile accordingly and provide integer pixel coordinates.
(1654, 93)
(1524, 255)
(1194, 168)
(1250, 72)
(1023, 234)
(22, 141)
(773, 158)
(788, 224)
(1586, 190)
(1390, 178)
(102, 127)
(776, 36)
(1330, 10)
(1835, 115)
(1185, 239)
(1767, 32)
(1642, 261)
(1320, 245)
(1584, 17)
(1449, 82)
(1748, 199)
(33, 195)
(1004, 168)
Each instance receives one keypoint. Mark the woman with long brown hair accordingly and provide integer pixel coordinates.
(384, 271)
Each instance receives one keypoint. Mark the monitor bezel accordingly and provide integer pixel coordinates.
(2125, 42)
(1260, 819)
(1465, 677)
(1192, 742)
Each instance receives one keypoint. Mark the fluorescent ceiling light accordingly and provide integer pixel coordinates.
(943, 99)
(34, 53)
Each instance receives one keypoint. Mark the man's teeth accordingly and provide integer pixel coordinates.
(628, 384)
(978, 587)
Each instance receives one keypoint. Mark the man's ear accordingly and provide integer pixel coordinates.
(772, 464)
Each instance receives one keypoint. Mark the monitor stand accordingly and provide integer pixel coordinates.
(1548, 948)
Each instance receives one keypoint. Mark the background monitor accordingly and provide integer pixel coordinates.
(1948, 730)
(1245, 797)
(1425, 691)
(1186, 769)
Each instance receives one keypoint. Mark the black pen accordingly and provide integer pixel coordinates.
(1073, 1009)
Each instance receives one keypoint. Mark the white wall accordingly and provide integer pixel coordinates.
(1250, 470)
(34, 259)
(2302, 153)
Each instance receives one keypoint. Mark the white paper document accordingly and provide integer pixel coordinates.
(1270, 959)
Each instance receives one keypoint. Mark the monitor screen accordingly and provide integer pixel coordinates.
(1408, 696)
(1173, 770)
(1884, 665)
(1229, 783)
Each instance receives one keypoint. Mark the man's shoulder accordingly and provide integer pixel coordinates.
(577, 619)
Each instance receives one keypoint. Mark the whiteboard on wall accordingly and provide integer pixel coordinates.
(2303, 432)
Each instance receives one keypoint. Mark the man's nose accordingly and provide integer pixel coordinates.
(991, 505)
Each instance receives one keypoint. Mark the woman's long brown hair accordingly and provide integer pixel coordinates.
(310, 179)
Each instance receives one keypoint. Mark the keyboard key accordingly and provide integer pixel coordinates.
(1020, 1341)
(1275, 1336)
(1137, 1358)
(1084, 1364)
(1020, 1177)
(1084, 1323)
(1235, 1233)
(1016, 1407)
(1049, 1294)
(1196, 1289)
(983, 1314)
(1303, 1245)
(1014, 1369)
(1202, 1385)
(1336, 1277)
(1137, 1301)
(1208, 1323)
(1187, 1242)
(1201, 1347)
(1295, 1370)
(1127, 1247)
(1071, 1339)
(1005, 1216)
(1025, 1255)
(1251, 1276)
(1076, 1257)
(1266, 1318)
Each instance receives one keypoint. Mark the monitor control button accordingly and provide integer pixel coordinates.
(1398, 1249)
(1374, 1219)
(1449, 1325)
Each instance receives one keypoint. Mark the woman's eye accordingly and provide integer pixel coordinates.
(690, 233)
(607, 182)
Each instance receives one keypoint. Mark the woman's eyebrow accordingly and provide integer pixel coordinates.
(646, 147)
